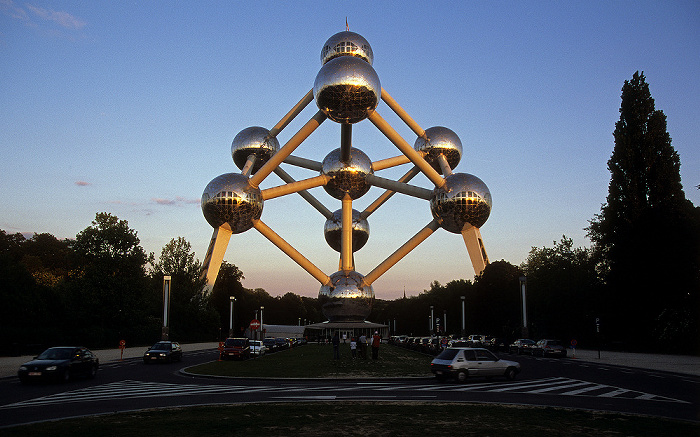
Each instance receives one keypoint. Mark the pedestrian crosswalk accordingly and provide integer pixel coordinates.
(129, 389)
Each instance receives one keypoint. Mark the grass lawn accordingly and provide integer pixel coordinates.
(316, 361)
(373, 419)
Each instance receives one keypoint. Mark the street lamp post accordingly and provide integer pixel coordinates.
(523, 298)
(230, 317)
(444, 322)
(432, 327)
(165, 332)
(262, 327)
(464, 330)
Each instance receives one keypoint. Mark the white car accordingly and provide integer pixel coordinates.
(461, 363)
(257, 348)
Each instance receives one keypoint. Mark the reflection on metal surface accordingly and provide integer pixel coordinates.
(440, 140)
(347, 177)
(347, 298)
(333, 228)
(464, 201)
(347, 89)
(256, 141)
(346, 44)
(230, 202)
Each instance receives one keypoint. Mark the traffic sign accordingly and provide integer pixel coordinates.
(254, 325)
(574, 343)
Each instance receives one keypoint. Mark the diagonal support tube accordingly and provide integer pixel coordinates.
(389, 184)
(388, 193)
(403, 115)
(287, 150)
(401, 252)
(415, 157)
(291, 252)
(295, 187)
(303, 103)
(305, 194)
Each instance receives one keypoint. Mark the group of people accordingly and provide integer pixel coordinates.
(358, 347)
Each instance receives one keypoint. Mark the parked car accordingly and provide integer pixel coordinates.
(60, 364)
(461, 363)
(476, 340)
(163, 351)
(236, 348)
(257, 348)
(282, 343)
(522, 346)
(549, 347)
(270, 344)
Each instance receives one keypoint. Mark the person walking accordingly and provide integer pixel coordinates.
(376, 340)
(353, 347)
(336, 346)
(363, 346)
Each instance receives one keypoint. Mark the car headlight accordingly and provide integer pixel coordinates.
(23, 368)
(51, 368)
(162, 354)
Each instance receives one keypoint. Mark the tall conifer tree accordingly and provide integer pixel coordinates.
(646, 236)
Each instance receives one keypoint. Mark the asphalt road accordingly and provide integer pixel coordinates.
(130, 385)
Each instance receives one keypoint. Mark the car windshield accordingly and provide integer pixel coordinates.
(56, 353)
(447, 354)
(161, 347)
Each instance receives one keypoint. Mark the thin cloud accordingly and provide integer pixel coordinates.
(63, 19)
(82, 183)
(179, 200)
(9, 8)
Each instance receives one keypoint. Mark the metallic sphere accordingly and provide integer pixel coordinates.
(346, 44)
(333, 230)
(347, 177)
(440, 140)
(347, 89)
(256, 141)
(229, 201)
(464, 201)
(346, 299)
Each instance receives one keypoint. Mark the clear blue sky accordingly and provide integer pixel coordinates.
(131, 109)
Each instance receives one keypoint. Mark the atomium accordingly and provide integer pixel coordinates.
(346, 90)
(334, 226)
(229, 202)
(346, 297)
(344, 44)
(253, 141)
(463, 202)
(438, 141)
(347, 177)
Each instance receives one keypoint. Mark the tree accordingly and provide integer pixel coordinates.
(192, 317)
(110, 289)
(646, 238)
(563, 292)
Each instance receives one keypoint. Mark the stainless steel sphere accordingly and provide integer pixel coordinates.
(463, 202)
(229, 201)
(347, 89)
(256, 141)
(346, 299)
(440, 140)
(346, 44)
(333, 230)
(347, 177)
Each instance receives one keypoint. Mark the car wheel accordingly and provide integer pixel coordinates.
(66, 375)
(462, 376)
(510, 374)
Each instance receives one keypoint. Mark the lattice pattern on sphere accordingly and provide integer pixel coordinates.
(347, 103)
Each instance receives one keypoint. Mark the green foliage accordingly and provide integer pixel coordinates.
(646, 238)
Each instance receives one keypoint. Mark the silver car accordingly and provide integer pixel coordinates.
(257, 348)
(461, 363)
